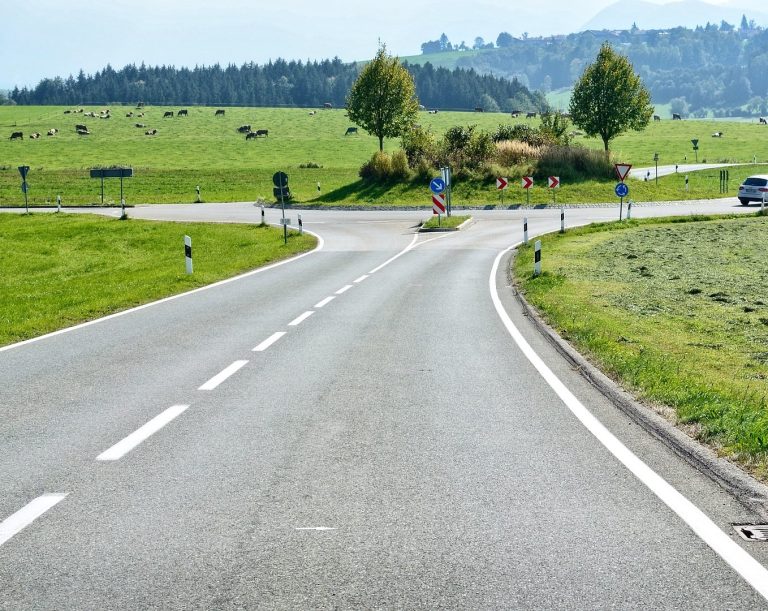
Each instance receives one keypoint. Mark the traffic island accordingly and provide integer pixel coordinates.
(446, 223)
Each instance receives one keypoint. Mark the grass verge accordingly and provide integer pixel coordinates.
(59, 270)
(676, 311)
(445, 222)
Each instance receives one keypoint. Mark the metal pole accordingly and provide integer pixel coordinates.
(102, 189)
(621, 207)
(26, 197)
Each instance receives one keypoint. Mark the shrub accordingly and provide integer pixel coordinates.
(514, 152)
(419, 144)
(399, 165)
(378, 167)
(463, 147)
(523, 133)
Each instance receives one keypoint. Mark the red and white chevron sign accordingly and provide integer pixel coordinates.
(554, 182)
(527, 182)
(501, 183)
(438, 203)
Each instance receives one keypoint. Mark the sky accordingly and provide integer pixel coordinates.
(48, 38)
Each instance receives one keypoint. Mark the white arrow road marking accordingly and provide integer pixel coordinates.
(220, 377)
(269, 341)
(121, 448)
(300, 319)
(27, 514)
(745, 565)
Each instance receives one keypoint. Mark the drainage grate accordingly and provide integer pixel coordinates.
(752, 532)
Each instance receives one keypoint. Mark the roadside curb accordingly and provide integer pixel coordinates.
(746, 489)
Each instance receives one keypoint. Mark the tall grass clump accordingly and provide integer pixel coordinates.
(515, 152)
(574, 163)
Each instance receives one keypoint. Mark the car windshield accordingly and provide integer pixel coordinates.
(756, 182)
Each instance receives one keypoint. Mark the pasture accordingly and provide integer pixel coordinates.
(207, 150)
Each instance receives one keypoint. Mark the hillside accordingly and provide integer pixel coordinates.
(719, 70)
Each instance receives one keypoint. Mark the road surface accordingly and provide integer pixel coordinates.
(367, 426)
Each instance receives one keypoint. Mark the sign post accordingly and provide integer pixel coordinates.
(280, 180)
(446, 173)
(554, 183)
(120, 173)
(622, 190)
(527, 183)
(501, 185)
(23, 169)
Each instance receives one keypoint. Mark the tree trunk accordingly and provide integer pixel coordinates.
(381, 144)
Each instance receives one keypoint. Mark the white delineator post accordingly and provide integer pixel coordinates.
(562, 219)
(629, 210)
(537, 258)
(525, 230)
(262, 215)
(301, 226)
(188, 253)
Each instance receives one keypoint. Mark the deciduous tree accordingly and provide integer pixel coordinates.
(610, 98)
(383, 98)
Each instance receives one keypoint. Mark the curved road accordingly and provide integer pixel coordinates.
(363, 427)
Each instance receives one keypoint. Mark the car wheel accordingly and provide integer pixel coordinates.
(744, 202)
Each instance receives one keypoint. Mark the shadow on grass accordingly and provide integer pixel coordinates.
(359, 191)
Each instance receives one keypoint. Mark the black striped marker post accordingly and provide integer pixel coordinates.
(537, 258)
(188, 253)
(562, 219)
(525, 230)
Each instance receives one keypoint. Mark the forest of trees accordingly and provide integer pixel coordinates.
(278, 83)
(720, 68)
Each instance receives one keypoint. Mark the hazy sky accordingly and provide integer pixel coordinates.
(46, 38)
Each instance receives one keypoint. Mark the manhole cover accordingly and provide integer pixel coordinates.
(752, 532)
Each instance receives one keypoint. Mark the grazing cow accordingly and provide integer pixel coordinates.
(83, 132)
(150, 132)
(129, 114)
(763, 121)
(478, 109)
(53, 131)
(34, 135)
(530, 115)
(182, 113)
(656, 118)
(676, 117)
(250, 136)
(219, 113)
(140, 125)
(66, 112)
(262, 132)
(141, 114)
(717, 135)
(514, 115)
(140, 105)
(351, 130)
(312, 113)
(15, 135)
(432, 112)
(81, 128)
(244, 129)
(168, 113)
(327, 105)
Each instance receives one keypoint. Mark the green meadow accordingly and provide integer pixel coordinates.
(205, 150)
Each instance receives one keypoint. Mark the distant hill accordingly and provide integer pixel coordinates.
(686, 13)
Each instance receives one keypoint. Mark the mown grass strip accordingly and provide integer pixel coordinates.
(445, 222)
(676, 310)
(59, 270)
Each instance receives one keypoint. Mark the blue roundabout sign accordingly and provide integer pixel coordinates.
(622, 190)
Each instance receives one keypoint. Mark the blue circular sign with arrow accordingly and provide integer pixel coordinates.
(437, 185)
(622, 190)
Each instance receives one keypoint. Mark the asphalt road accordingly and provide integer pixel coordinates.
(363, 427)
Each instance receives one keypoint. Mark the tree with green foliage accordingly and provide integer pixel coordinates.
(610, 98)
(383, 98)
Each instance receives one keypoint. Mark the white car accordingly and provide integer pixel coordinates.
(753, 189)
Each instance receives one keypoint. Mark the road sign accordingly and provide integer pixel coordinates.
(285, 221)
(279, 192)
(622, 170)
(501, 183)
(695, 143)
(280, 179)
(622, 190)
(24, 187)
(527, 182)
(23, 169)
(112, 173)
(554, 182)
(437, 185)
(438, 203)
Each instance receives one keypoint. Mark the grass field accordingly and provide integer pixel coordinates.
(54, 272)
(205, 150)
(676, 310)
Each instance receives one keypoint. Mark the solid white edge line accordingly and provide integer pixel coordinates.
(300, 319)
(121, 448)
(269, 341)
(360, 279)
(754, 573)
(17, 522)
(220, 377)
(320, 246)
(343, 289)
(397, 256)
(324, 302)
